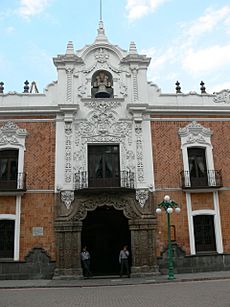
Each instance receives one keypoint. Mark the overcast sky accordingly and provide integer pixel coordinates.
(188, 40)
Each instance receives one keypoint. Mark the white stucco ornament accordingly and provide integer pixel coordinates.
(142, 196)
(67, 198)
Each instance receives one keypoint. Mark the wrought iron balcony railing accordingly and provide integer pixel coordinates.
(213, 179)
(13, 184)
(125, 180)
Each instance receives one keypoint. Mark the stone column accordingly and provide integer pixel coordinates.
(143, 246)
(68, 234)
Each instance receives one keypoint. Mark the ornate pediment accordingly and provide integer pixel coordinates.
(195, 133)
(222, 97)
(11, 134)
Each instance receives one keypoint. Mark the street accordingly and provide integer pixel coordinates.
(211, 293)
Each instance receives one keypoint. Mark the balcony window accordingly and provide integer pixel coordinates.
(103, 166)
(197, 166)
(8, 169)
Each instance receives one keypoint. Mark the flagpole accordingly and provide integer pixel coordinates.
(101, 10)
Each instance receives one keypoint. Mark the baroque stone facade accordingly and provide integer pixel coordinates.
(105, 149)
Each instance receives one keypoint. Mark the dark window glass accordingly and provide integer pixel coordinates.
(8, 169)
(6, 239)
(204, 233)
(197, 166)
(103, 166)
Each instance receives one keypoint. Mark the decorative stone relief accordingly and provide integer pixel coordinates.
(67, 198)
(135, 85)
(142, 196)
(123, 89)
(222, 97)
(68, 152)
(11, 134)
(117, 202)
(195, 133)
(101, 55)
(139, 152)
(102, 126)
(69, 85)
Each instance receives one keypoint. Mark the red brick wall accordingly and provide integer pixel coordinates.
(7, 204)
(168, 164)
(37, 210)
(40, 155)
(202, 201)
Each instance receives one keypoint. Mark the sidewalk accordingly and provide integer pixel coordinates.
(112, 281)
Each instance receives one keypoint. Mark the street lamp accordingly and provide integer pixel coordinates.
(168, 205)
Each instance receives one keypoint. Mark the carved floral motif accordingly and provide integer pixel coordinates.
(102, 126)
(67, 198)
(101, 55)
(142, 196)
(195, 133)
(222, 97)
(118, 203)
(10, 133)
(139, 152)
(68, 152)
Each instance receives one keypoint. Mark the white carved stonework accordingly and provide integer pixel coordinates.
(123, 89)
(142, 196)
(68, 152)
(11, 134)
(69, 85)
(135, 85)
(102, 126)
(222, 97)
(101, 55)
(67, 198)
(139, 152)
(102, 105)
(195, 133)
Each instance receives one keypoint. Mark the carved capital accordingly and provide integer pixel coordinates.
(67, 197)
(142, 196)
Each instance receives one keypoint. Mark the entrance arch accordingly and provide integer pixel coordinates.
(104, 231)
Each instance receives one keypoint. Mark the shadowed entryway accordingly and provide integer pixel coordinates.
(104, 232)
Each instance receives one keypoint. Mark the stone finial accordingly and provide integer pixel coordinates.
(1, 87)
(178, 87)
(202, 87)
(132, 48)
(70, 48)
(26, 87)
(101, 32)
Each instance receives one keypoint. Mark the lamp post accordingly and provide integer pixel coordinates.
(168, 205)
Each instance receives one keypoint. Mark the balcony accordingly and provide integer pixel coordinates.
(123, 181)
(212, 180)
(17, 184)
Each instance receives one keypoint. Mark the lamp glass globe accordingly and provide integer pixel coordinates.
(167, 198)
(177, 210)
(158, 211)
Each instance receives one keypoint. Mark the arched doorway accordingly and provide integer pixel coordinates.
(104, 232)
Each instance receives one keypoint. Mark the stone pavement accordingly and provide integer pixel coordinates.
(112, 280)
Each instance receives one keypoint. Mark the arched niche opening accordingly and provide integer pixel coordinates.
(102, 84)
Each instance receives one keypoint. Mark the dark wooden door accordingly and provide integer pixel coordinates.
(204, 233)
(6, 239)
